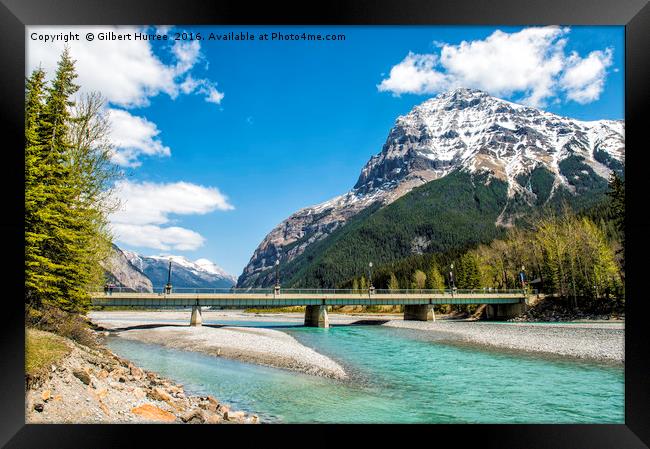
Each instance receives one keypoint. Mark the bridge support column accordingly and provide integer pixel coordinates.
(197, 319)
(504, 311)
(418, 312)
(316, 316)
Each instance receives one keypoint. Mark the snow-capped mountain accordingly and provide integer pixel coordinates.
(201, 273)
(464, 129)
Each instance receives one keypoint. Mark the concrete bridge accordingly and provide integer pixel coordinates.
(418, 304)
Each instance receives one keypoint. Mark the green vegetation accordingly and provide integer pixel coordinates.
(574, 255)
(72, 325)
(68, 174)
(435, 280)
(42, 349)
(616, 214)
(604, 158)
(581, 175)
(418, 280)
(540, 182)
(414, 240)
(450, 214)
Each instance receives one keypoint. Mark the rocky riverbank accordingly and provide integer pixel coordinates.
(93, 385)
(595, 341)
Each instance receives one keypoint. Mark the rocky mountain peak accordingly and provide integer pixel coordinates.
(463, 129)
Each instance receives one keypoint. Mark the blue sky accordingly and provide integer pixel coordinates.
(220, 141)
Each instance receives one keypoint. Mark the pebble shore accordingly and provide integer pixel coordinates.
(595, 341)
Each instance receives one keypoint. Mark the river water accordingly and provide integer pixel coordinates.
(396, 376)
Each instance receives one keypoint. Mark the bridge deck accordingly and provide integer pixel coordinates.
(302, 299)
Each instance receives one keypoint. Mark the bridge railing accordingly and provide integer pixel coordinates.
(311, 291)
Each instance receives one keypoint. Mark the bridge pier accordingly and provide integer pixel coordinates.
(504, 311)
(316, 316)
(418, 312)
(196, 319)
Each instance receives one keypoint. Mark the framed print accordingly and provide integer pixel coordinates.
(414, 213)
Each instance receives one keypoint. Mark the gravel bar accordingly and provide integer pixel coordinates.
(595, 341)
(262, 346)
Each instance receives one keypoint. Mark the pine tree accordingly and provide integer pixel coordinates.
(67, 171)
(393, 284)
(435, 281)
(617, 210)
(63, 247)
(468, 274)
(39, 281)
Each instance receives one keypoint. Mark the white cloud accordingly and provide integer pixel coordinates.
(531, 63)
(147, 207)
(212, 95)
(127, 72)
(156, 237)
(204, 87)
(584, 79)
(415, 74)
(133, 137)
(187, 53)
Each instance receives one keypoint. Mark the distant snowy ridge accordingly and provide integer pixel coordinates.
(185, 273)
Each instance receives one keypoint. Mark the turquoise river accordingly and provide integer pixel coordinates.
(396, 376)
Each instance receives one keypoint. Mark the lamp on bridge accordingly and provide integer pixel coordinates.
(277, 276)
(451, 277)
(371, 288)
(168, 287)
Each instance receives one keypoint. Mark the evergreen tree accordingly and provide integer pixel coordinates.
(39, 279)
(468, 275)
(393, 284)
(62, 247)
(616, 194)
(435, 281)
(67, 173)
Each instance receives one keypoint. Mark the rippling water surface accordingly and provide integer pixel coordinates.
(397, 375)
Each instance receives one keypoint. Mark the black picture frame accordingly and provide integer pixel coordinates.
(633, 14)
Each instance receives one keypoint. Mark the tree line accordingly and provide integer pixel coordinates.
(68, 179)
(561, 253)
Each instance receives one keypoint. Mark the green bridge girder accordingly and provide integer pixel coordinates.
(304, 298)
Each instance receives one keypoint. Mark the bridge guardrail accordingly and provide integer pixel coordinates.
(364, 292)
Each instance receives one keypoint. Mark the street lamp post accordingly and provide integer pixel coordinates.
(371, 288)
(168, 287)
(277, 276)
(451, 278)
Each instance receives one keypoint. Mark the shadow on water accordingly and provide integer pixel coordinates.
(365, 323)
(294, 326)
(138, 326)
(266, 325)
